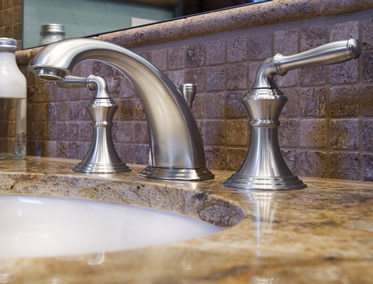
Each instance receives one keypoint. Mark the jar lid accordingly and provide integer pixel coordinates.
(8, 44)
(52, 28)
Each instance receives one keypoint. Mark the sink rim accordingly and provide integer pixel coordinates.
(43, 226)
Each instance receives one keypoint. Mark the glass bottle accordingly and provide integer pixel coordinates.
(13, 103)
(51, 33)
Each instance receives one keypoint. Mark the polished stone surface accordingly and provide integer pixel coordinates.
(323, 234)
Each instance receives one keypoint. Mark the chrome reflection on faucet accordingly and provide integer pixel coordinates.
(175, 141)
(264, 167)
(101, 156)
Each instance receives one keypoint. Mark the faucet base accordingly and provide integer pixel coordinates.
(264, 183)
(177, 174)
(101, 168)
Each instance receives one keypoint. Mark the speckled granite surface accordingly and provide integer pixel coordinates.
(322, 234)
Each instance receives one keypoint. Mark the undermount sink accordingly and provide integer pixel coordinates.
(34, 226)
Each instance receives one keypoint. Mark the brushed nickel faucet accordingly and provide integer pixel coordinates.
(264, 167)
(175, 142)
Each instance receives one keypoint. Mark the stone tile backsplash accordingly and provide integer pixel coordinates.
(326, 126)
(11, 20)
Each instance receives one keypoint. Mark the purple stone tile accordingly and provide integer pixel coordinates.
(313, 76)
(83, 113)
(343, 101)
(288, 133)
(368, 167)
(142, 154)
(288, 80)
(141, 133)
(85, 131)
(196, 76)
(74, 150)
(62, 150)
(62, 131)
(124, 132)
(215, 52)
(236, 50)
(253, 67)
(62, 111)
(291, 107)
(312, 37)
(213, 105)
(344, 31)
(344, 133)
(343, 73)
(177, 77)
(126, 152)
(312, 164)
(51, 130)
(176, 58)
(236, 77)
(368, 135)
(195, 56)
(198, 105)
(235, 158)
(366, 100)
(367, 65)
(259, 46)
(74, 111)
(286, 42)
(313, 133)
(237, 132)
(214, 132)
(313, 102)
(344, 165)
(216, 158)
(290, 158)
(215, 78)
(72, 131)
(159, 58)
(234, 107)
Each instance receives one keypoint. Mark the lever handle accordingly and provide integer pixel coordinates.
(188, 90)
(73, 82)
(330, 53)
(92, 82)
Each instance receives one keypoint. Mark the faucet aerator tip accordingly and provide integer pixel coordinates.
(50, 74)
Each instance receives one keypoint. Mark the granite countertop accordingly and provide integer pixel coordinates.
(321, 234)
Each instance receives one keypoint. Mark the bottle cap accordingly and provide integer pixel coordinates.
(8, 44)
(52, 29)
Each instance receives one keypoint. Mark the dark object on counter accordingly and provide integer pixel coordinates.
(198, 6)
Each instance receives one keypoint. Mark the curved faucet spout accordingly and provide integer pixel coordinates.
(175, 142)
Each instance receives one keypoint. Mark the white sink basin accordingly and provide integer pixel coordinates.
(43, 226)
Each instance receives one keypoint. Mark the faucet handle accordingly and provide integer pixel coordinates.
(188, 90)
(101, 156)
(92, 82)
(330, 53)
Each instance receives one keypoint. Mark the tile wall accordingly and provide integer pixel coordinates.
(326, 126)
(11, 20)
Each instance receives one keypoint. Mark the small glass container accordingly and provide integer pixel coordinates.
(12, 103)
(51, 33)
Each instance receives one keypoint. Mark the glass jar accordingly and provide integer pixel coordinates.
(51, 33)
